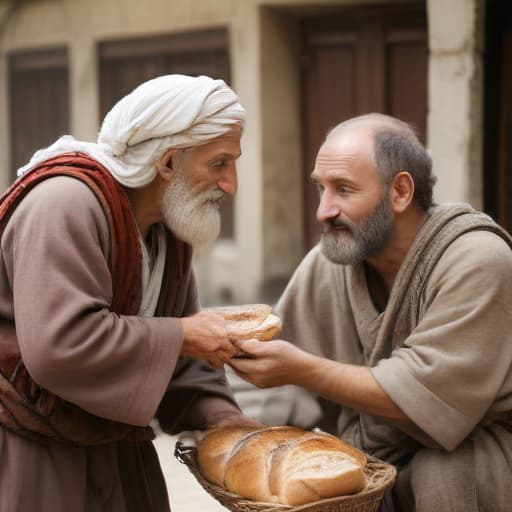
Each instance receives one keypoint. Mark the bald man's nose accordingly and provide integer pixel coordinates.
(327, 208)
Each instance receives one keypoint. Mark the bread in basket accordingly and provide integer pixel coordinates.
(286, 469)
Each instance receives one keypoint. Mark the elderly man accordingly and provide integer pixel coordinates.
(100, 320)
(399, 321)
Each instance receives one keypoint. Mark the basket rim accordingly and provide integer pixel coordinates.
(188, 456)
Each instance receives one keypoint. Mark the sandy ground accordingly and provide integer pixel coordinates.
(185, 493)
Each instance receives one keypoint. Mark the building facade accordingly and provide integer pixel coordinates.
(299, 67)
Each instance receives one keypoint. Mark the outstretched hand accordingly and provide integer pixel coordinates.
(270, 363)
(205, 337)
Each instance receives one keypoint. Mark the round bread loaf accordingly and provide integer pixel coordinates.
(281, 464)
(250, 321)
(256, 312)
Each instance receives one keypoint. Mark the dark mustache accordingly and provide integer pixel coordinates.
(336, 223)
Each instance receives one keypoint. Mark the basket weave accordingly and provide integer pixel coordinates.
(379, 476)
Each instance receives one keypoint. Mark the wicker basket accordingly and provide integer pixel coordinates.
(379, 475)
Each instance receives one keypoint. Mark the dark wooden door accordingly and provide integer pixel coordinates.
(124, 64)
(367, 59)
(39, 102)
(498, 113)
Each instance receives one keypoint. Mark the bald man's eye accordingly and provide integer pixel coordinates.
(319, 188)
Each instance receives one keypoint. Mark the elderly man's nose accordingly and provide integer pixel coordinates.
(229, 182)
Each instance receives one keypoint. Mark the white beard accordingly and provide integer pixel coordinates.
(193, 218)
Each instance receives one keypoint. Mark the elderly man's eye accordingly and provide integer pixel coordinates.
(219, 164)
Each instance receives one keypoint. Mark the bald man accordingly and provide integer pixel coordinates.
(397, 326)
(100, 320)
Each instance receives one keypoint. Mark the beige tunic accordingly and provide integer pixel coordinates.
(452, 375)
(55, 295)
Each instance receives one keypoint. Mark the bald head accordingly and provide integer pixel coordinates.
(372, 124)
(396, 148)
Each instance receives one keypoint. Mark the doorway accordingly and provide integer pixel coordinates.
(498, 112)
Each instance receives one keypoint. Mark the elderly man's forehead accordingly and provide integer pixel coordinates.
(227, 144)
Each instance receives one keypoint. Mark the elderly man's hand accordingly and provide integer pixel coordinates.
(205, 338)
(270, 363)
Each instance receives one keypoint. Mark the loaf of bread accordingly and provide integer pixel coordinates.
(250, 321)
(283, 465)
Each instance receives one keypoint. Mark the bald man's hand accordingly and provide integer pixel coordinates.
(205, 338)
(270, 363)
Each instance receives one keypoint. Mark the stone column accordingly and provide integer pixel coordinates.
(455, 98)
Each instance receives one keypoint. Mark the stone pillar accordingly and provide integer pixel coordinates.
(455, 98)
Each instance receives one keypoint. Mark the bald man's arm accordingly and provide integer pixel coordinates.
(277, 363)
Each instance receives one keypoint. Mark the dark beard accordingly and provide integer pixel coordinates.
(348, 243)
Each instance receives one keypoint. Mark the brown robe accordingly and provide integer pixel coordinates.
(444, 358)
(55, 294)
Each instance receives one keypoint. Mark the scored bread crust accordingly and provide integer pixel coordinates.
(214, 449)
(281, 464)
(316, 468)
(248, 466)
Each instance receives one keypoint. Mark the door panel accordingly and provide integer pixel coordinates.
(39, 102)
(331, 75)
(498, 113)
(407, 85)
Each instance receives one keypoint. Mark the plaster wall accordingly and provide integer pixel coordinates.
(265, 60)
(455, 99)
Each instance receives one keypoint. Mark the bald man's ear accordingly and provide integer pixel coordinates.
(402, 191)
(165, 166)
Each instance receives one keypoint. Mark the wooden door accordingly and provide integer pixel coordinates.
(39, 102)
(498, 113)
(124, 64)
(367, 59)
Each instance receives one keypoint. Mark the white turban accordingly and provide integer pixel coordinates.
(171, 111)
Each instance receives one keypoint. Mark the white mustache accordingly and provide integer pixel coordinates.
(215, 196)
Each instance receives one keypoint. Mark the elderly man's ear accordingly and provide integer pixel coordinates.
(165, 165)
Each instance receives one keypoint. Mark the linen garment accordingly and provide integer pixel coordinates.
(450, 373)
(55, 294)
